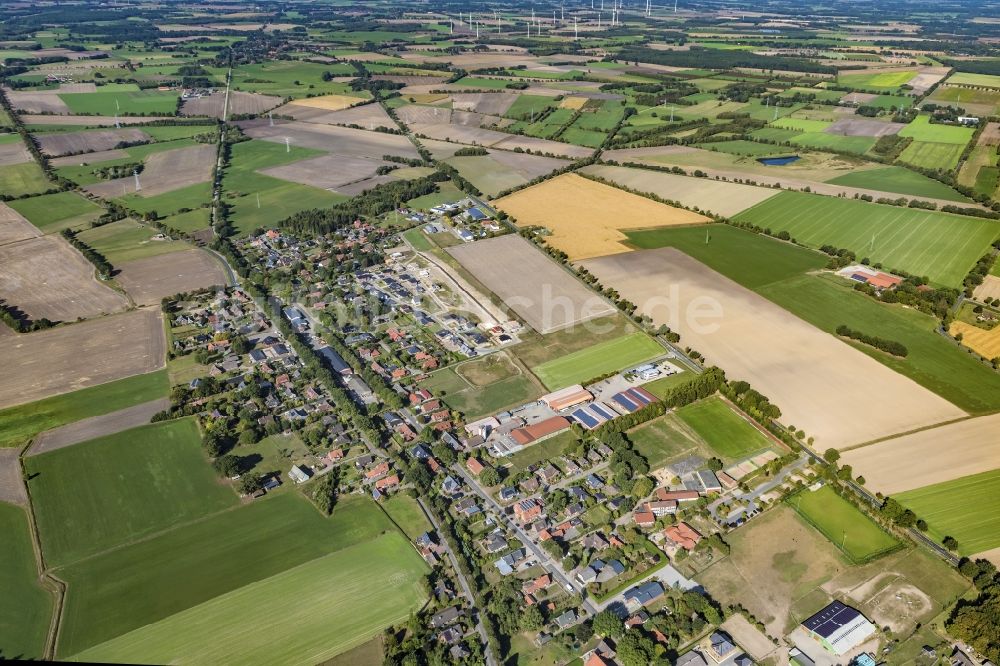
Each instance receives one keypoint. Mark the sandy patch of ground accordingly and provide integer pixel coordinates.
(329, 102)
(856, 126)
(585, 217)
(72, 143)
(748, 637)
(96, 426)
(14, 153)
(984, 342)
(332, 139)
(68, 358)
(88, 121)
(43, 101)
(368, 116)
(990, 288)
(13, 227)
(898, 606)
(164, 172)
(46, 277)
(150, 279)
(541, 292)
(930, 456)
(718, 197)
(239, 102)
(814, 378)
(11, 480)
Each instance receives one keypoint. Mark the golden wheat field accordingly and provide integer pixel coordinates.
(572, 103)
(329, 102)
(586, 218)
(983, 342)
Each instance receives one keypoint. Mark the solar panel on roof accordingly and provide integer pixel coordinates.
(626, 402)
(603, 411)
(643, 392)
(585, 418)
(638, 397)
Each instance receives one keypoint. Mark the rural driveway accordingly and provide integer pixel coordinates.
(751, 497)
(97, 426)
(668, 576)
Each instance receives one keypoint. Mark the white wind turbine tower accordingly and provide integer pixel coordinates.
(270, 118)
(138, 187)
(576, 30)
(288, 145)
(675, 6)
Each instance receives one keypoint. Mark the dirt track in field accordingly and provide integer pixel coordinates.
(96, 426)
(835, 393)
(11, 480)
(929, 456)
(67, 358)
(46, 277)
(150, 279)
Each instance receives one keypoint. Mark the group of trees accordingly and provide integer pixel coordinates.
(104, 268)
(889, 346)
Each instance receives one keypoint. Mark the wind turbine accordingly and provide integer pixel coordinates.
(138, 187)
(576, 30)
(288, 145)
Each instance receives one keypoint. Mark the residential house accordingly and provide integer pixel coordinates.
(527, 510)
(682, 535)
(299, 474)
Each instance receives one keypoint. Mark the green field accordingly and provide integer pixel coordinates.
(857, 535)
(543, 451)
(921, 129)
(941, 246)
(969, 79)
(597, 360)
(25, 606)
(358, 590)
(191, 221)
(20, 423)
(473, 401)
(407, 514)
(112, 490)
(723, 429)
(524, 105)
(127, 240)
(824, 141)
(742, 147)
(54, 212)
(182, 568)
(876, 80)
(967, 509)
(660, 440)
(932, 154)
(19, 179)
(801, 124)
(778, 271)
(133, 103)
(899, 180)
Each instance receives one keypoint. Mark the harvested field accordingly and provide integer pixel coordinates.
(13, 152)
(73, 143)
(990, 135)
(491, 104)
(43, 101)
(330, 102)
(574, 103)
(164, 172)
(472, 119)
(534, 144)
(418, 114)
(541, 292)
(326, 171)
(14, 227)
(95, 426)
(47, 278)
(88, 121)
(494, 139)
(67, 358)
(921, 458)
(810, 375)
(586, 217)
(990, 288)
(984, 342)
(711, 195)
(336, 140)
(11, 480)
(239, 102)
(502, 170)
(366, 115)
(357, 187)
(149, 279)
(863, 127)
(90, 158)
(858, 98)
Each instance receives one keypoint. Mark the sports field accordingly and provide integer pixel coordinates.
(662, 439)
(967, 509)
(112, 490)
(857, 536)
(25, 606)
(939, 245)
(723, 429)
(319, 609)
(597, 360)
(476, 401)
(20, 423)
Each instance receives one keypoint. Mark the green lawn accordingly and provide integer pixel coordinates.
(182, 568)
(801, 124)
(22, 422)
(857, 535)
(19, 179)
(191, 221)
(597, 360)
(473, 401)
(967, 509)
(406, 512)
(659, 387)
(899, 180)
(168, 203)
(546, 450)
(418, 239)
(126, 240)
(777, 271)
(136, 102)
(112, 490)
(25, 606)
(54, 212)
(939, 245)
(723, 430)
(662, 439)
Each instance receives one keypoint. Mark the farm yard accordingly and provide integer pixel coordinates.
(816, 392)
(586, 218)
(941, 246)
(68, 358)
(538, 290)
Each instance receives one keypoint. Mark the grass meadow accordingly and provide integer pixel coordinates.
(125, 102)
(941, 246)
(52, 213)
(967, 509)
(115, 489)
(725, 431)
(860, 538)
(19, 179)
(25, 606)
(660, 440)
(899, 180)
(22, 422)
(597, 360)
(407, 514)
(477, 401)
(932, 154)
(778, 271)
(127, 240)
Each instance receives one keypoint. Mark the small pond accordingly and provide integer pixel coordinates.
(778, 161)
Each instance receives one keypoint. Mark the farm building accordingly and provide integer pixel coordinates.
(592, 415)
(538, 431)
(839, 628)
(299, 474)
(566, 398)
(633, 399)
(870, 276)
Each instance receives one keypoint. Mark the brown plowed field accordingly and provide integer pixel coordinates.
(73, 143)
(68, 358)
(326, 171)
(150, 279)
(368, 116)
(165, 172)
(46, 277)
(96, 426)
(88, 121)
(332, 139)
(13, 153)
(239, 102)
(13, 227)
(37, 102)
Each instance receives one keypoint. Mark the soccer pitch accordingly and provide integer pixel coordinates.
(597, 360)
(941, 246)
(841, 522)
(967, 509)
